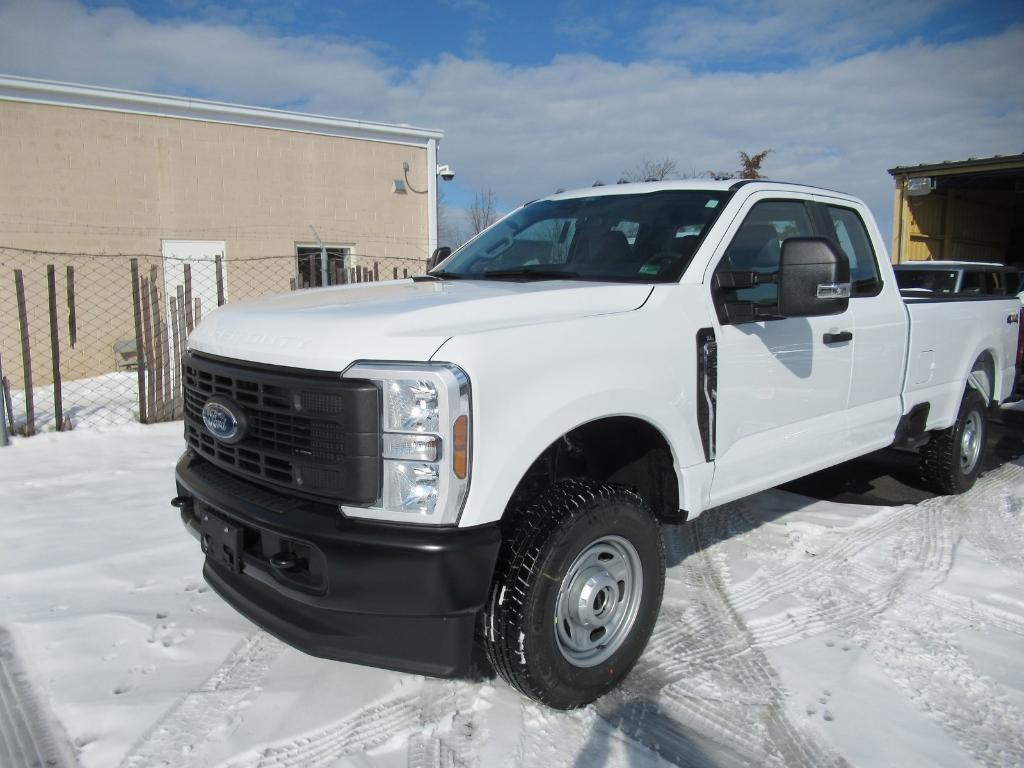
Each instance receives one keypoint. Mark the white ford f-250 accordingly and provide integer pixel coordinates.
(469, 469)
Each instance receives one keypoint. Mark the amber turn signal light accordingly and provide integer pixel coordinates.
(460, 447)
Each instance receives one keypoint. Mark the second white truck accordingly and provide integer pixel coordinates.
(470, 469)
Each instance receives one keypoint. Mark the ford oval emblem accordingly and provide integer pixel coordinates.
(224, 420)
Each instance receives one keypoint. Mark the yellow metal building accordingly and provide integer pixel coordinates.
(969, 210)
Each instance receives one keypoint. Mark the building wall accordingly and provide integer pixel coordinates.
(87, 181)
(968, 226)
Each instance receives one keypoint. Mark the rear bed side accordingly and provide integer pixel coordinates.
(950, 338)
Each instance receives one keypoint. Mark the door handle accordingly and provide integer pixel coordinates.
(838, 338)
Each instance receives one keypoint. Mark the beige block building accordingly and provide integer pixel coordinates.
(179, 181)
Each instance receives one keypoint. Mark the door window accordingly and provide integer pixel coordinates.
(309, 268)
(852, 238)
(757, 245)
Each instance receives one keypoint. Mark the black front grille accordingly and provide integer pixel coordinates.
(314, 433)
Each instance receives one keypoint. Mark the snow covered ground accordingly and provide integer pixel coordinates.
(793, 633)
(106, 400)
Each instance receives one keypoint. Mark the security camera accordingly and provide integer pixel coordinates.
(445, 172)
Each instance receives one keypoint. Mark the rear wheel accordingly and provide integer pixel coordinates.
(576, 592)
(952, 460)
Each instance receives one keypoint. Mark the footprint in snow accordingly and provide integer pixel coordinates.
(84, 740)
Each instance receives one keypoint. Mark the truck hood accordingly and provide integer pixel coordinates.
(329, 328)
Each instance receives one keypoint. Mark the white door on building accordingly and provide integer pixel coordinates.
(201, 258)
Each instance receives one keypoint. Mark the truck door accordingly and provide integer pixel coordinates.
(879, 344)
(782, 383)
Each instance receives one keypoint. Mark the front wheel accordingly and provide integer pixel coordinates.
(952, 460)
(576, 592)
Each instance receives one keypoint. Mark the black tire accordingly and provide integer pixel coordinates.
(942, 470)
(542, 540)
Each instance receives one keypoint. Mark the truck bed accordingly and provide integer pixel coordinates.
(947, 335)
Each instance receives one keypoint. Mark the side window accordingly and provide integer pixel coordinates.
(973, 283)
(852, 237)
(757, 245)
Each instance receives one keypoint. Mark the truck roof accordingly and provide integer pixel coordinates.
(708, 185)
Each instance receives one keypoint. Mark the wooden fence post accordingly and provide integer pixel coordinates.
(147, 329)
(5, 409)
(199, 309)
(161, 384)
(376, 274)
(5, 385)
(182, 331)
(72, 311)
(189, 322)
(176, 347)
(26, 354)
(58, 399)
(140, 351)
(220, 279)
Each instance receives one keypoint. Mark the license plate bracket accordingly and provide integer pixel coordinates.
(221, 541)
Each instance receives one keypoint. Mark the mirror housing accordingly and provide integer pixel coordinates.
(439, 255)
(813, 278)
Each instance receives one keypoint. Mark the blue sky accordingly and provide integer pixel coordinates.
(535, 96)
(531, 33)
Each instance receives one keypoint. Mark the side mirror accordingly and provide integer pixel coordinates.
(439, 255)
(814, 278)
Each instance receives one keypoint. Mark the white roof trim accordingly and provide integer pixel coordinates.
(114, 100)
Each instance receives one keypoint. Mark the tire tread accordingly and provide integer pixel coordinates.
(527, 531)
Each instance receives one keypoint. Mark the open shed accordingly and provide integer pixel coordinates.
(967, 210)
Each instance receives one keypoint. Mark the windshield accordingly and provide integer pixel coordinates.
(934, 280)
(622, 238)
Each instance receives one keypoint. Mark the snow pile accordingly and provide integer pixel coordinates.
(106, 400)
(793, 632)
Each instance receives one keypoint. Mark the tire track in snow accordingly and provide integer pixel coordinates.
(439, 720)
(709, 636)
(934, 673)
(29, 736)
(454, 746)
(360, 732)
(211, 707)
(913, 635)
(767, 587)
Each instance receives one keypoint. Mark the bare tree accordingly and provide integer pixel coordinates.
(482, 211)
(652, 170)
(451, 230)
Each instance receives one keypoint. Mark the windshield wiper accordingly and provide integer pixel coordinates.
(540, 274)
(442, 275)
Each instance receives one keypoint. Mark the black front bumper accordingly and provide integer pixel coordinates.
(394, 596)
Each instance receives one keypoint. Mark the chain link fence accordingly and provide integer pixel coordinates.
(89, 340)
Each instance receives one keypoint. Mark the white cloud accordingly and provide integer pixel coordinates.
(527, 130)
(725, 31)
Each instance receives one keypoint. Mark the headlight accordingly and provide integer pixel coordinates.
(425, 446)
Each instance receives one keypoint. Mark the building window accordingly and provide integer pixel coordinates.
(309, 269)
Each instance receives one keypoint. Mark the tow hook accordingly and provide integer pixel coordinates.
(182, 502)
(286, 561)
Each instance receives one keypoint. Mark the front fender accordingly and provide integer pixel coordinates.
(533, 384)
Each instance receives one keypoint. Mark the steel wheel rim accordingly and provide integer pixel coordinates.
(970, 442)
(598, 601)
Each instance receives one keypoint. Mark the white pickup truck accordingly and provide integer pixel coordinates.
(469, 469)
